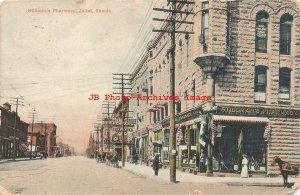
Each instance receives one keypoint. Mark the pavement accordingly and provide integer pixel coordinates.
(82, 176)
(164, 174)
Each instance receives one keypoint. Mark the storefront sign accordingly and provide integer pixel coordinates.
(183, 147)
(165, 148)
(193, 147)
(254, 111)
(261, 30)
(121, 129)
(189, 115)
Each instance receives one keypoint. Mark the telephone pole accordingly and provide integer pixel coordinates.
(96, 126)
(172, 22)
(17, 102)
(33, 114)
(46, 152)
(107, 105)
(124, 80)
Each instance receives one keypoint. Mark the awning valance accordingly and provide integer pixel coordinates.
(245, 119)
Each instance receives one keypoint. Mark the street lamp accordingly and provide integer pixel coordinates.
(210, 63)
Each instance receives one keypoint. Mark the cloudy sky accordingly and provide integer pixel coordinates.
(55, 60)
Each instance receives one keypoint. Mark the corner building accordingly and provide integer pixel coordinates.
(246, 55)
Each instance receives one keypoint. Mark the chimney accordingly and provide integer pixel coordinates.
(7, 106)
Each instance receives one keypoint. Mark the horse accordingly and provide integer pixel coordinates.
(285, 169)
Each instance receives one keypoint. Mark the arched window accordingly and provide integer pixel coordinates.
(284, 83)
(261, 38)
(286, 22)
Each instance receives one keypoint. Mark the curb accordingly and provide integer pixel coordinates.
(255, 184)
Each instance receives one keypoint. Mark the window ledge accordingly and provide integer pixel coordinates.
(284, 102)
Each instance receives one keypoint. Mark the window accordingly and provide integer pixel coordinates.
(151, 82)
(178, 107)
(284, 83)
(166, 110)
(137, 100)
(260, 83)
(204, 23)
(286, 22)
(261, 40)
(193, 137)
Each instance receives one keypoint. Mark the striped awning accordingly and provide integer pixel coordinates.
(23, 146)
(245, 119)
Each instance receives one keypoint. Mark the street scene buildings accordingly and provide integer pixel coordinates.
(191, 97)
(13, 132)
(20, 139)
(237, 83)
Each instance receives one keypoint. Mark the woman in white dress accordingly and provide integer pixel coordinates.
(244, 172)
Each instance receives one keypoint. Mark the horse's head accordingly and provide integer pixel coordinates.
(276, 159)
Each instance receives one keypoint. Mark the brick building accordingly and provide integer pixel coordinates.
(40, 142)
(244, 54)
(7, 124)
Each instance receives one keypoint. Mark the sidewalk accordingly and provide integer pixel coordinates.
(164, 174)
(16, 160)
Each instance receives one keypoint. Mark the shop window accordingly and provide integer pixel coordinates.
(166, 110)
(260, 83)
(162, 114)
(286, 22)
(261, 40)
(284, 83)
(193, 137)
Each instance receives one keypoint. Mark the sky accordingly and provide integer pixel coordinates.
(55, 60)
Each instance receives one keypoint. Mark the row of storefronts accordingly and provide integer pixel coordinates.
(254, 94)
(246, 130)
(13, 134)
(19, 139)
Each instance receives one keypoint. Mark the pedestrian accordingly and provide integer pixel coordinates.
(244, 173)
(155, 164)
(202, 161)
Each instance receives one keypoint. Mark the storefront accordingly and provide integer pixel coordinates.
(187, 132)
(238, 130)
(236, 135)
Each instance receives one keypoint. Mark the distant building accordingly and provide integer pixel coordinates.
(40, 142)
(8, 121)
(64, 149)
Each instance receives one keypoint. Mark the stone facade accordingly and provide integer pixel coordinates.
(222, 63)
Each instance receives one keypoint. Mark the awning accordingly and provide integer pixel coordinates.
(245, 119)
(23, 146)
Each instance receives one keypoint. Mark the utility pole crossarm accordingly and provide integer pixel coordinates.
(172, 11)
(168, 31)
(180, 1)
(167, 20)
